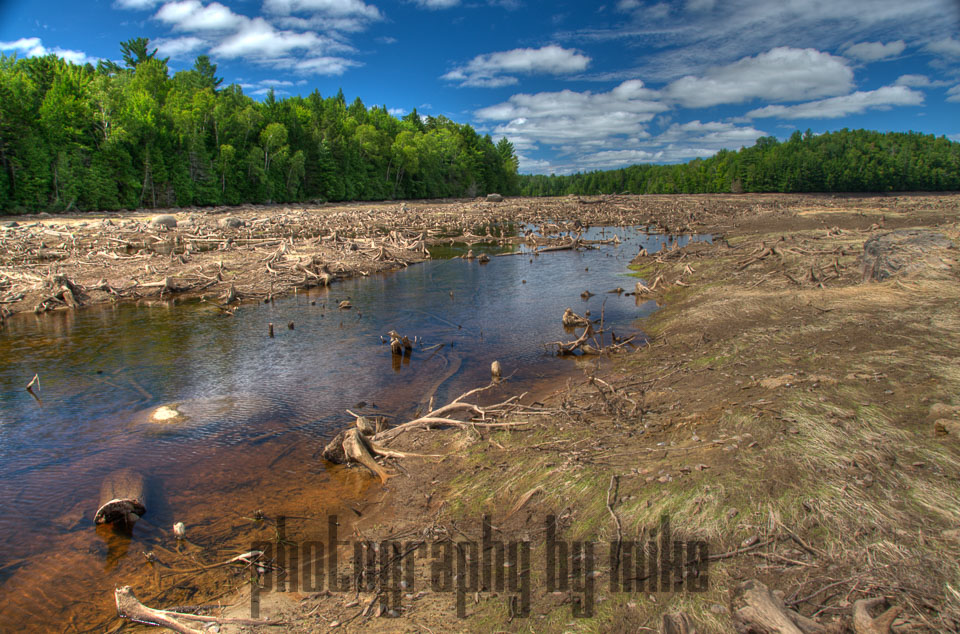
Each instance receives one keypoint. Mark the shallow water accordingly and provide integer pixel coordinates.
(262, 407)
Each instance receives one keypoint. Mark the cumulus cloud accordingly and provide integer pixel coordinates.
(947, 46)
(781, 74)
(916, 81)
(191, 15)
(954, 93)
(855, 103)
(257, 39)
(575, 117)
(335, 8)
(135, 5)
(314, 44)
(179, 47)
(33, 47)
(874, 51)
(498, 69)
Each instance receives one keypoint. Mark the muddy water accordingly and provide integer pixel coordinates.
(262, 409)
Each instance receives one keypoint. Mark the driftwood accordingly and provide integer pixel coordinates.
(358, 445)
(863, 623)
(122, 499)
(573, 320)
(129, 607)
(757, 610)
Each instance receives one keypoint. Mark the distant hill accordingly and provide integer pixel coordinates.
(842, 161)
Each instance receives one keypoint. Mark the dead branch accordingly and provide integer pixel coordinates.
(129, 607)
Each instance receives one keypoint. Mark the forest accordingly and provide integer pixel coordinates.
(841, 161)
(131, 135)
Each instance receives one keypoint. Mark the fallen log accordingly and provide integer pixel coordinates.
(129, 607)
(122, 499)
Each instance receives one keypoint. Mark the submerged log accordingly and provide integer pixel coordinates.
(122, 499)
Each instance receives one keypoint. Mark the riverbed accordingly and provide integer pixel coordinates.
(264, 406)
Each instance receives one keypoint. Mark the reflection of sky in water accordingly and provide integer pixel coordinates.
(101, 366)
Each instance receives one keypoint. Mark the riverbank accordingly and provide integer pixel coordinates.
(784, 413)
(251, 253)
(796, 418)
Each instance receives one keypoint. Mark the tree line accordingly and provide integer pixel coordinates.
(131, 135)
(841, 161)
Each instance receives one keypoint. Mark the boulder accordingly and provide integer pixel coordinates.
(946, 427)
(494, 198)
(907, 252)
(166, 221)
(231, 223)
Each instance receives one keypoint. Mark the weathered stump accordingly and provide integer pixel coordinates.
(122, 499)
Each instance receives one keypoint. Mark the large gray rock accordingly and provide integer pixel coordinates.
(166, 221)
(907, 252)
(231, 223)
(494, 198)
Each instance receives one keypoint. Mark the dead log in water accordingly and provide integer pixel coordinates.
(123, 499)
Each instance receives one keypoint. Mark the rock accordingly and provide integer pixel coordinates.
(166, 221)
(494, 198)
(907, 252)
(166, 414)
(231, 223)
(946, 427)
(942, 410)
(10, 224)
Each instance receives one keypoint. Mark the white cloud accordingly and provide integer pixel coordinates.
(179, 47)
(191, 15)
(324, 65)
(578, 118)
(874, 51)
(136, 5)
(628, 5)
(917, 81)
(497, 69)
(700, 5)
(676, 47)
(855, 103)
(437, 4)
(257, 39)
(781, 74)
(946, 46)
(533, 166)
(397, 112)
(33, 47)
(332, 8)
(954, 93)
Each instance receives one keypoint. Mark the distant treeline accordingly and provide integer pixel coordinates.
(125, 136)
(843, 161)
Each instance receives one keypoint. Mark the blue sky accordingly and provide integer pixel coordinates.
(574, 85)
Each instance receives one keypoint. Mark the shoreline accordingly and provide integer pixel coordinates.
(779, 413)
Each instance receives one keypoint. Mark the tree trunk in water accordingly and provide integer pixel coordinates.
(122, 498)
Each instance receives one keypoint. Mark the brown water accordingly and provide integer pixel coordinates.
(264, 407)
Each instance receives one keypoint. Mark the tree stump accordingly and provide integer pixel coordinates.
(122, 499)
